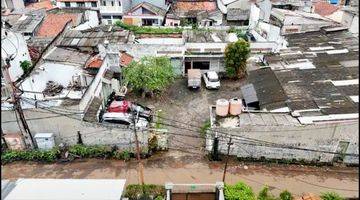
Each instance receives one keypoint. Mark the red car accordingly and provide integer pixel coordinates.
(119, 106)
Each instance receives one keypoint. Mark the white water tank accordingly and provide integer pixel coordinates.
(222, 107)
(235, 106)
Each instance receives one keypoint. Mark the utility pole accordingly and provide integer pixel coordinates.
(227, 159)
(23, 126)
(141, 173)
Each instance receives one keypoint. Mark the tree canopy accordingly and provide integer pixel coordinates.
(236, 54)
(149, 75)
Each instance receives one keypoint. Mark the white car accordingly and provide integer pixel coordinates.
(211, 80)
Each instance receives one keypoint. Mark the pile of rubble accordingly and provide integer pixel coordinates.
(52, 88)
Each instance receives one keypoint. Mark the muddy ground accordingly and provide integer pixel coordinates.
(170, 167)
(191, 108)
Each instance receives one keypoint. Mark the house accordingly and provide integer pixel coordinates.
(145, 14)
(346, 16)
(237, 12)
(202, 191)
(205, 50)
(187, 11)
(209, 18)
(110, 11)
(305, 88)
(29, 22)
(56, 189)
(88, 40)
(298, 21)
(47, 4)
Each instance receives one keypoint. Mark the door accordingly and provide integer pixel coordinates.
(187, 66)
(342, 148)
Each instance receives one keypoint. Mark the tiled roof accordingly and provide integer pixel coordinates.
(152, 8)
(204, 5)
(54, 24)
(324, 8)
(185, 7)
(94, 62)
(39, 5)
(125, 59)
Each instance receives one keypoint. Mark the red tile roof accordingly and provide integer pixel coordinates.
(39, 5)
(125, 59)
(53, 24)
(324, 8)
(94, 62)
(192, 6)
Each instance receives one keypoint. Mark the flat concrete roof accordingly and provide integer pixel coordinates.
(60, 189)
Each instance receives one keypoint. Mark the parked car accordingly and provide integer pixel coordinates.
(211, 80)
(123, 118)
(144, 111)
(194, 78)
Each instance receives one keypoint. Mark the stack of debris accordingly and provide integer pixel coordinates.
(52, 88)
(75, 85)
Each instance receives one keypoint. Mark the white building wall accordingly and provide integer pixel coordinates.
(49, 71)
(354, 27)
(15, 44)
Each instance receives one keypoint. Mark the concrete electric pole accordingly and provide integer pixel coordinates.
(15, 100)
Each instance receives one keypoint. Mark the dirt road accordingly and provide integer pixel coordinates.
(180, 168)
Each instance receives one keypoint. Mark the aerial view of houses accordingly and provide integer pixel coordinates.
(179, 99)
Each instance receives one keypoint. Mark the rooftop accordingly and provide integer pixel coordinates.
(43, 4)
(191, 8)
(91, 38)
(66, 55)
(324, 8)
(125, 59)
(55, 23)
(94, 63)
(56, 189)
(29, 22)
(222, 36)
(140, 50)
(148, 6)
(318, 77)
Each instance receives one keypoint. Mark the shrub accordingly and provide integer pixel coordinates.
(239, 191)
(204, 128)
(25, 66)
(265, 195)
(32, 155)
(331, 196)
(286, 195)
(135, 191)
(150, 74)
(148, 30)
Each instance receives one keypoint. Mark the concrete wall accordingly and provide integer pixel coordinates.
(324, 137)
(15, 44)
(65, 129)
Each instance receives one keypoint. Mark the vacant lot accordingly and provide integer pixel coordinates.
(187, 109)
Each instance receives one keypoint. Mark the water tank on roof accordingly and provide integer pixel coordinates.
(235, 106)
(222, 107)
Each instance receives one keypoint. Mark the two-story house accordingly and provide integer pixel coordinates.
(110, 10)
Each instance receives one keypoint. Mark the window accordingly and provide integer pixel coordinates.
(93, 4)
(203, 65)
(109, 21)
(117, 17)
(112, 3)
(104, 3)
(67, 4)
(119, 2)
(80, 4)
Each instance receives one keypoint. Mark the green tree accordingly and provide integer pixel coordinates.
(25, 66)
(236, 54)
(239, 191)
(331, 196)
(264, 194)
(286, 195)
(149, 75)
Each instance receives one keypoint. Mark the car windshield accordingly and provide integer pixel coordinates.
(213, 79)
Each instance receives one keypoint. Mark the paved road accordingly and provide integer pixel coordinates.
(180, 168)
